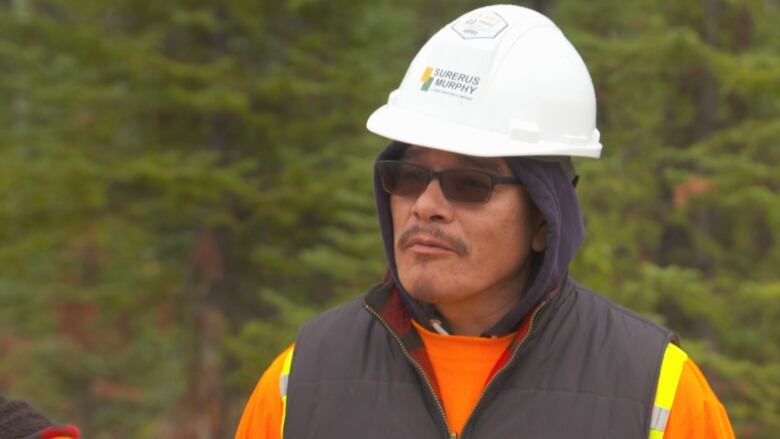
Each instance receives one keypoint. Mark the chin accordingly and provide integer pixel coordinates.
(427, 289)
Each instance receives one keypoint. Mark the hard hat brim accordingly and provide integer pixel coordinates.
(414, 128)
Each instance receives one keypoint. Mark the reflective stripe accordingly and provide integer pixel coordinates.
(660, 416)
(284, 379)
(671, 368)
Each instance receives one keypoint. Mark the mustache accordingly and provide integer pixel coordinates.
(457, 244)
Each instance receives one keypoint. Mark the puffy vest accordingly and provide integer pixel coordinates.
(586, 368)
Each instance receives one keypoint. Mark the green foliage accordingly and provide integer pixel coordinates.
(182, 184)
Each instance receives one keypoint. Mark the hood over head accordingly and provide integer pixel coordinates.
(550, 187)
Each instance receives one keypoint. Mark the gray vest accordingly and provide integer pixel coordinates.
(587, 369)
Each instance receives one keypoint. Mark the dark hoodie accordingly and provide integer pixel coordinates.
(552, 191)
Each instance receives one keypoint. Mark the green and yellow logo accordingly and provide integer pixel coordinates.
(449, 82)
(427, 79)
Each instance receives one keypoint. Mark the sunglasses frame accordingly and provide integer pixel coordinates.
(440, 175)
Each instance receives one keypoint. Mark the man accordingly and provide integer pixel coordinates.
(477, 330)
(19, 421)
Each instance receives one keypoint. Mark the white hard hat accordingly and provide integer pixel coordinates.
(499, 81)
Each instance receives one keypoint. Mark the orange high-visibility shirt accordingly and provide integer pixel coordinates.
(696, 412)
(262, 418)
(462, 365)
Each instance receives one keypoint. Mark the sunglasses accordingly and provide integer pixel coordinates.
(406, 179)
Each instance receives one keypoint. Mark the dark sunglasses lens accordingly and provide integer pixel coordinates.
(466, 186)
(403, 179)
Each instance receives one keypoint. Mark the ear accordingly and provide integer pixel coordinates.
(539, 237)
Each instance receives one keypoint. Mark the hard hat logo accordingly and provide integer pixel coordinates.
(482, 24)
(449, 82)
(427, 79)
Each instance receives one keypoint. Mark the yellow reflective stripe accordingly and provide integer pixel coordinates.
(284, 379)
(671, 368)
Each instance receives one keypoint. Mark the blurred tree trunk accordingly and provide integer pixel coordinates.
(707, 91)
(706, 99)
(202, 415)
(19, 105)
(199, 415)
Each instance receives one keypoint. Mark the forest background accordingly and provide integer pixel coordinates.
(183, 183)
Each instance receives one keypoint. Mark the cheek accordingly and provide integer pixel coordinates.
(505, 243)
(398, 215)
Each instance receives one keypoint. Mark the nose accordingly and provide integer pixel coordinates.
(432, 205)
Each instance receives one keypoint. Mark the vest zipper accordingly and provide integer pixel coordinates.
(450, 435)
(500, 371)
